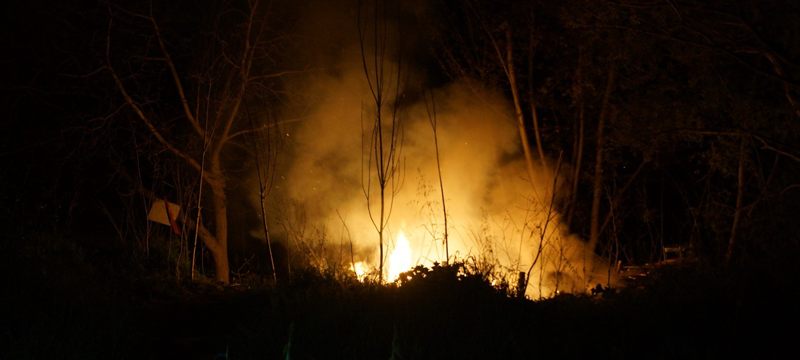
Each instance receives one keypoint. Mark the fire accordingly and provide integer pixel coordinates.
(400, 258)
(361, 269)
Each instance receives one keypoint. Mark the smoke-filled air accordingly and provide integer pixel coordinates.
(326, 205)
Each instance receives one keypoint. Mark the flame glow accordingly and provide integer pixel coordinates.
(361, 269)
(400, 258)
(499, 214)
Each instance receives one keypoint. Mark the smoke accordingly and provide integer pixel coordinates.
(496, 214)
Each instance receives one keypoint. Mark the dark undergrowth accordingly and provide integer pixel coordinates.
(61, 303)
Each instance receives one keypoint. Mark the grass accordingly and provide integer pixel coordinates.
(62, 304)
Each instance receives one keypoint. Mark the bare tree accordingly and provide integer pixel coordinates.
(504, 50)
(597, 192)
(739, 194)
(266, 179)
(431, 110)
(207, 115)
(550, 217)
(578, 138)
(381, 168)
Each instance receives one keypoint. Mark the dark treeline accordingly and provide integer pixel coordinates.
(698, 103)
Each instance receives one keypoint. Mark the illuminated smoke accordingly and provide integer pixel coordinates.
(496, 214)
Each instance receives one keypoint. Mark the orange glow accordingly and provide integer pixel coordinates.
(498, 214)
(361, 269)
(400, 258)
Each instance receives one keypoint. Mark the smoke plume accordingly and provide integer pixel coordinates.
(496, 214)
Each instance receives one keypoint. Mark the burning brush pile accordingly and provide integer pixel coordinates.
(458, 190)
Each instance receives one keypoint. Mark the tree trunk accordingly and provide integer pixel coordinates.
(381, 229)
(739, 194)
(219, 249)
(577, 145)
(576, 174)
(512, 83)
(221, 266)
(594, 233)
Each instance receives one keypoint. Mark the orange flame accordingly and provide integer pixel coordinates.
(400, 258)
(361, 270)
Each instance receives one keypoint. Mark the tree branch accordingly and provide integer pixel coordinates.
(176, 79)
(143, 117)
(259, 129)
(730, 53)
(245, 65)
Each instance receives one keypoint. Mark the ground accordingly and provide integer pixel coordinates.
(688, 312)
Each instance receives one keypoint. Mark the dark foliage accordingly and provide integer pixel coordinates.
(69, 309)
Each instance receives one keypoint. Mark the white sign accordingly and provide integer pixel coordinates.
(164, 212)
